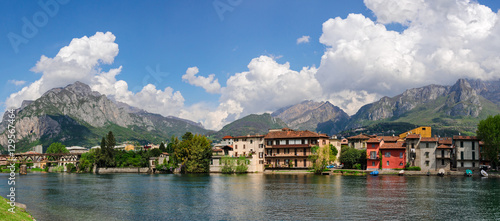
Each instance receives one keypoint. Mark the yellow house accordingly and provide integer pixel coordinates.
(129, 147)
(423, 131)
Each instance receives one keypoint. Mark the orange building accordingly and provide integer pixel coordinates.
(288, 148)
(393, 155)
(372, 153)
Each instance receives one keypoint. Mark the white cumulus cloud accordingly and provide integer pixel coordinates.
(17, 82)
(303, 39)
(210, 84)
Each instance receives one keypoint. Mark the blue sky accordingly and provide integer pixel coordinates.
(172, 36)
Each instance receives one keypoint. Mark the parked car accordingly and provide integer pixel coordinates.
(331, 166)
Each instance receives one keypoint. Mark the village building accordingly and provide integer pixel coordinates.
(337, 144)
(444, 155)
(393, 155)
(358, 141)
(287, 148)
(467, 152)
(251, 147)
(77, 149)
(426, 153)
(372, 153)
(412, 142)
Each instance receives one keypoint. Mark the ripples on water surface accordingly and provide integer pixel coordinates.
(255, 197)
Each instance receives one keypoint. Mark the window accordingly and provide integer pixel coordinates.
(243, 146)
(461, 144)
(373, 145)
(461, 155)
(427, 163)
(442, 162)
(373, 163)
(235, 147)
(235, 140)
(426, 145)
(473, 155)
(251, 141)
(426, 154)
(461, 164)
(269, 142)
(261, 145)
(400, 163)
(261, 154)
(388, 154)
(244, 153)
(373, 154)
(473, 145)
(387, 163)
(261, 162)
(324, 142)
(282, 142)
(211, 162)
(442, 153)
(473, 164)
(278, 162)
(277, 151)
(236, 154)
(401, 155)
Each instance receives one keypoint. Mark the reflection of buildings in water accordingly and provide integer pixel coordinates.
(388, 195)
(237, 196)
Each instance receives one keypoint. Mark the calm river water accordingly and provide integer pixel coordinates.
(255, 197)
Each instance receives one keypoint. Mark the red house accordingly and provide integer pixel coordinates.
(393, 155)
(372, 153)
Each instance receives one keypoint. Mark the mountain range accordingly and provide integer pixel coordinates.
(76, 115)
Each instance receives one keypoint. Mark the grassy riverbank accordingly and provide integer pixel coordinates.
(5, 214)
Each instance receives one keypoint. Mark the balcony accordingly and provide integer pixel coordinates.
(285, 155)
(446, 156)
(289, 146)
(373, 158)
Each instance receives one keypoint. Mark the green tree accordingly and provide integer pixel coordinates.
(162, 147)
(227, 164)
(187, 136)
(193, 154)
(488, 130)
(320, 157)
(57, 148)
(105, 156)
(333, 153)
(349, 156)
(87, 160)
(70, 168)
(242, 165)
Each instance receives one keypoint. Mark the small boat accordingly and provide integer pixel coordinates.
(484, 174)
(441, 172)
(468, 173)
(374, 173)
(401, 173)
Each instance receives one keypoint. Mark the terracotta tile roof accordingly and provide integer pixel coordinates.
(465, 137)
(249, 136)
(442, 146)
(361, 137)
(389, 138)
(481, 142)
(413, 136)
(227, 137)
(288, 133)
(397, 145)
(374, 140)
(445, 140)
(428, 139)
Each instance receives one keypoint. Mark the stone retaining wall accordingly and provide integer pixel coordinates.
(122, 170)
